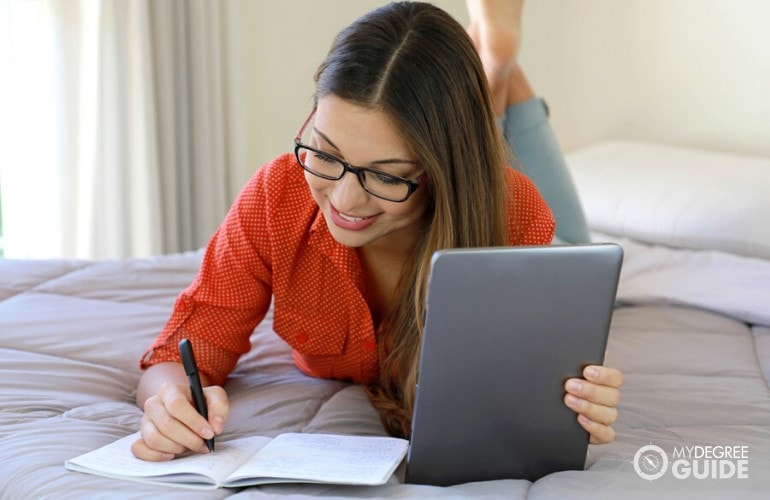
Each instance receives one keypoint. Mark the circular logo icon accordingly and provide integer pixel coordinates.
(650, 462)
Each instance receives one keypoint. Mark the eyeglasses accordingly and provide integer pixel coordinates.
(375, 182)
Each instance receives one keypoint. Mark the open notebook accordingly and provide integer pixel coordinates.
(291, 457)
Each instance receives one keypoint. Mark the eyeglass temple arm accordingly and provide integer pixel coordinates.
(307, 120)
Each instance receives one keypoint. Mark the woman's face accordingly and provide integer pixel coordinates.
(364, 138)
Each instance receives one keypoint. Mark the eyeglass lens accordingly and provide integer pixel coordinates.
(377, 183)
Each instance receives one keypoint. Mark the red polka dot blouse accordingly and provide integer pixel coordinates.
(274, 243)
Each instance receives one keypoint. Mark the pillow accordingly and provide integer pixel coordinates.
(675, 196)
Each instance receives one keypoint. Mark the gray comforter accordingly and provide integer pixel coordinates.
(691, 333)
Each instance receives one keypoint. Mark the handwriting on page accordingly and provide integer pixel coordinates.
(118, 459)
(327, 458)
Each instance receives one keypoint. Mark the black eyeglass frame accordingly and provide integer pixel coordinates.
(412, 184)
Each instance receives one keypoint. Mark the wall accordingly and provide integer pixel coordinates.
(691, 72)
(275, 49)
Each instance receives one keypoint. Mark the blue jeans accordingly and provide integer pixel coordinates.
(537, 154)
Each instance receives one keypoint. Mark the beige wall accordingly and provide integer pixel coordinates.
(275, 49)
(691, 72)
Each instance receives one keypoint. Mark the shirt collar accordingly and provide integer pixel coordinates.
(343, 257)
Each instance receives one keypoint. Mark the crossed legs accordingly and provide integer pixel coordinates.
(496, 30)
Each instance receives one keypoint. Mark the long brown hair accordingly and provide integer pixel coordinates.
(416, 63)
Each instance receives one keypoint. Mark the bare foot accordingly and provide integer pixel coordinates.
(495, 28)
(518, 88)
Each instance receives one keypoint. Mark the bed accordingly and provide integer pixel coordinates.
(691, 332)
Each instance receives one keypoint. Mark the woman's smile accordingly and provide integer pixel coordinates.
(368, 138)
(350, 222)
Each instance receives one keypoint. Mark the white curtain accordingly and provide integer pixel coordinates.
(116, 123)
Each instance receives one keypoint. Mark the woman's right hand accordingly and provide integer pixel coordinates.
(171, 425)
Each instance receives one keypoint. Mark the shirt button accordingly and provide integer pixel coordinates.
(370, 345)
(302, 337)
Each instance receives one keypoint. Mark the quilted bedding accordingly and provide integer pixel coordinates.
(691, 333)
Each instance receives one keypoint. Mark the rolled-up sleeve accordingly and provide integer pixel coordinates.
(231, 293)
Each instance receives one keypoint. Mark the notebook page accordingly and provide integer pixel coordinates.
(116, 460)
(324, 458)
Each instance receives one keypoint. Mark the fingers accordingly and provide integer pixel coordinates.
(174, 417)
(602, 414)
(218, 407)
(141, 450)
(599, 433)
(604, 375)
(603, 389)
(594, 399)
(171, 425)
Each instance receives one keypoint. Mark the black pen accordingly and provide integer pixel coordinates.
(191, 369)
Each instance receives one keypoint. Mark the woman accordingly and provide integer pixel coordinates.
(400, 157)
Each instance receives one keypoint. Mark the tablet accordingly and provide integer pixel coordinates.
(504, 329)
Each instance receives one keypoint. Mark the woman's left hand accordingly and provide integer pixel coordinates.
(594, 399)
